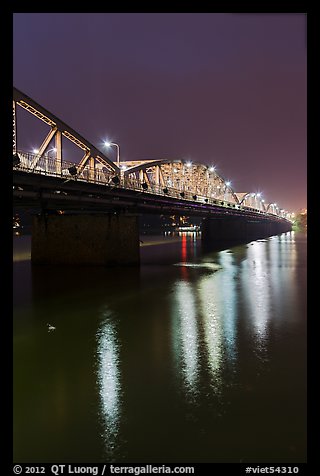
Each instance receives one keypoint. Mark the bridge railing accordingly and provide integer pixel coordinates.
(171, 192)
(50, 166)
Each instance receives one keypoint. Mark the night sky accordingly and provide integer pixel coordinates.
(221, 89)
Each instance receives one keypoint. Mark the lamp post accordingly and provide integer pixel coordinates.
(109, 144)
(54, 149)
(258, 195)
(226, 189)
(255, 200)
(48, 158)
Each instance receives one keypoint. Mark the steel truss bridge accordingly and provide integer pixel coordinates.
(96, 183)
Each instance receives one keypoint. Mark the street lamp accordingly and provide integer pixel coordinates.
(50, 158)
(255, 200)
(226, 191)
(54, 149)
(109, 144)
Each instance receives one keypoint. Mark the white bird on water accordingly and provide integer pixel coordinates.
(50, 327)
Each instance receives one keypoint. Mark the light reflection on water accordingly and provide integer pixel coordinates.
(228, 315)
(109, 380)
(195, 359)
(256, 281)
(283, 273)
(210, 312)
(210, 303)
(268, 284)
(186, 335)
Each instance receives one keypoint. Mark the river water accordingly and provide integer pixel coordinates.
(193, 357)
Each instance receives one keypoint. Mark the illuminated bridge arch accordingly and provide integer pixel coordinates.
(275, 210)
(253, 200)
(175, 178)
(91, 160)
(172, 176)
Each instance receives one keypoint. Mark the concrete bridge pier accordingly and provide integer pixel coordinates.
(85, 239)
(283, 227)
(240, 229)
(257, 229)
(223, 229)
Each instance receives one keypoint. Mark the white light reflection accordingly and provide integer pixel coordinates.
(229, 301)
(283, 268)
(109, 380)
(268, 280)
(185, 335)
(217, 295)
(210, 307)
(273, 254)
(255, 279)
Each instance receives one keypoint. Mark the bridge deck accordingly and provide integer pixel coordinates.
(56, 193)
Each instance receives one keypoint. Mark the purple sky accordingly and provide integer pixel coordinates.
(222, 89)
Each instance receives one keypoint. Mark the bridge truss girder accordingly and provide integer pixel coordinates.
(163, 176)
(196, 179)
(253, 200)
(58, 129)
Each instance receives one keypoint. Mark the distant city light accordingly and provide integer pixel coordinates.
(259, 195)
(212, 169)
(35, 151)
(228, 184)
(189, 164)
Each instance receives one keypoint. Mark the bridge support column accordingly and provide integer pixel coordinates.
(223, 229)
(240, 229)
(85, 239)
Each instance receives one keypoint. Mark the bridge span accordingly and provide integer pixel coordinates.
(90, 208)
